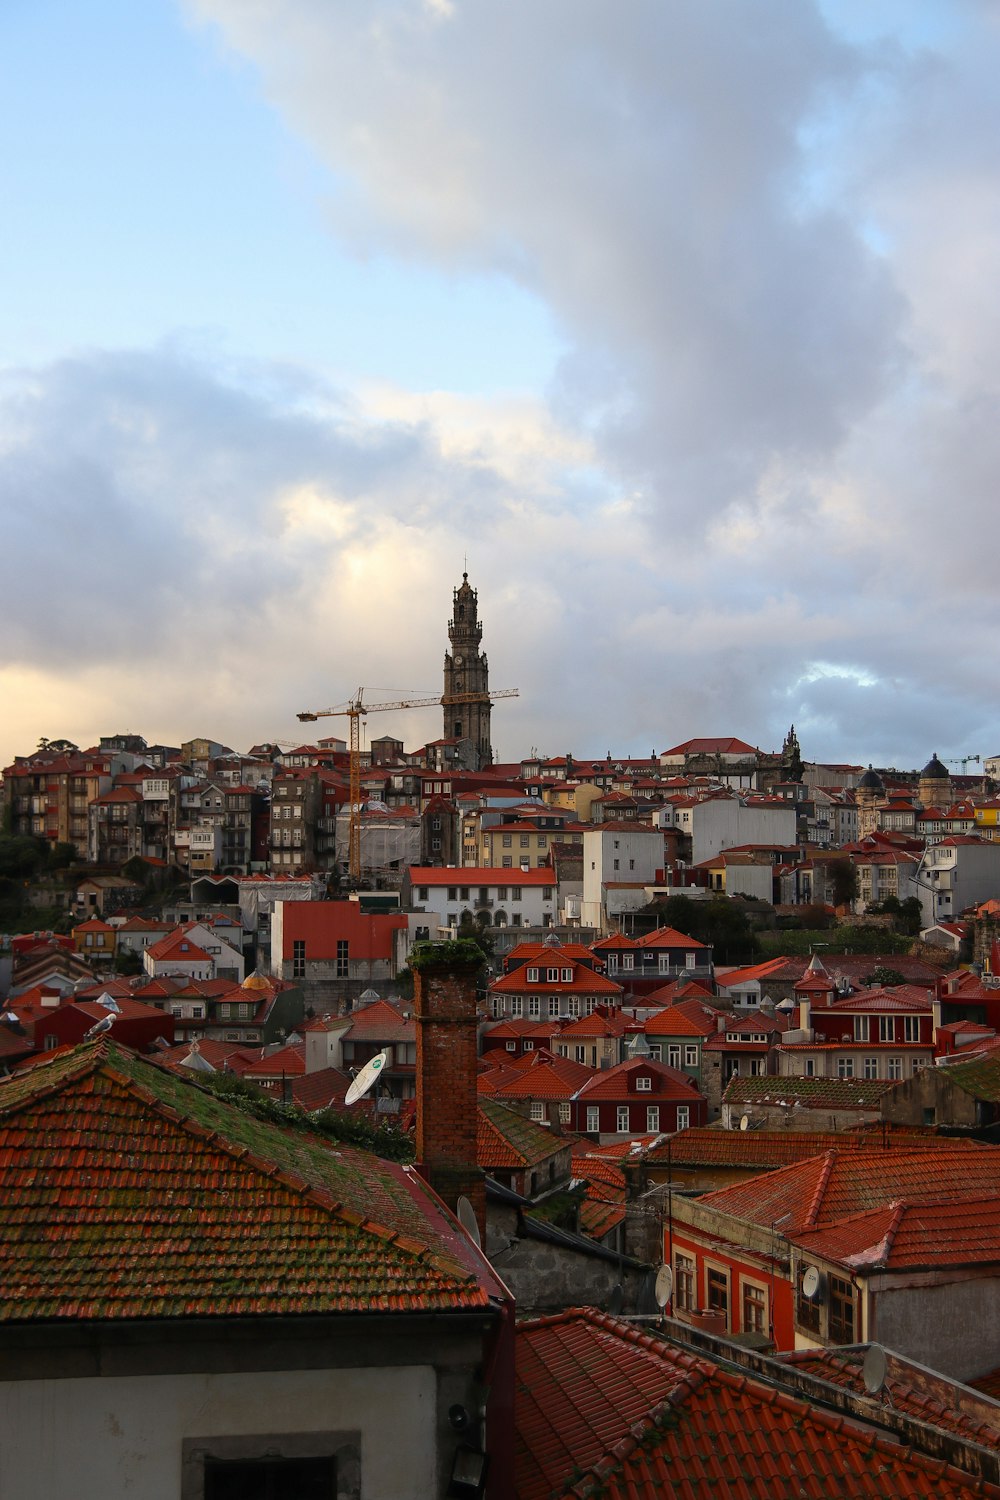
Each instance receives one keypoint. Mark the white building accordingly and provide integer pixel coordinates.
(959, 871)
(505, 898)
(620, 861)
(720, 823)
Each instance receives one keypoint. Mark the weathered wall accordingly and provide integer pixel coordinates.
(545, 1278)
(98, 1438)
(954, 1328)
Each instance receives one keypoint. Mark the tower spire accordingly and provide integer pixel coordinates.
(466, 677)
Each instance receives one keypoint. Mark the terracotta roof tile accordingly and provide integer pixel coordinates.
(506, 1139)
(128, 1192)
(603, 1409)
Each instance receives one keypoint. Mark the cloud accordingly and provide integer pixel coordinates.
(761, 484)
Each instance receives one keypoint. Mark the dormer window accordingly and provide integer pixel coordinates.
(644, 1083)
(567, 976)
(532, 976)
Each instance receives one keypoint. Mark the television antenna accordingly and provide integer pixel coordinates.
(363, 1082)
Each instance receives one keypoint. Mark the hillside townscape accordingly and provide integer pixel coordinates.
(683, 1137)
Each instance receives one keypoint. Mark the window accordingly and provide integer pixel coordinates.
(564, 1112)
(717, 1292)
(845, 1067)
(289, 1466)
(523, 840)
(652, 1118)
(754, 1308)
(841, 1311)
(534, 1007)
(756, 1067)
(511, 1046)
(507, 841)
(573, 1005)
(532, 976)
(628, 960)
(423, 893)
(654, 1051)
(537, 1110)
(528, 1047)
(343, 958)
(918, 1063)
(553, 1007)
(861, 1028)
(810, 1067)
(453, 893)
(593, 1116)
(895, 1067)
(911, 1028)
(683, 1282)
(644, 1084)
(298, 959)
(871, 1067)
(579, 1054)
(566, 976)
(622, 1117)
(501, 893)
(887, 1028)
(674, 1055)
(683, 1116)
(463, 893)
(664, 963)
(551, 976)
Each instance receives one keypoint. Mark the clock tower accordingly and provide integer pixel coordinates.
(466, 671)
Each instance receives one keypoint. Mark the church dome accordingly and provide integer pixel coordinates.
(871, 781)
(934, 771)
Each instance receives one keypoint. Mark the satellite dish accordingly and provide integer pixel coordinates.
(875, 1369)
(366, 1078)
(810, 1282)
(616, 1300)
(469, 1222)
(744, 1122)
(664, 1285)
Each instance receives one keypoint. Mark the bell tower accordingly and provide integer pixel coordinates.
(466, 670)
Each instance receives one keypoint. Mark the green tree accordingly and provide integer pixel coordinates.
(843, 881)
(882, 975)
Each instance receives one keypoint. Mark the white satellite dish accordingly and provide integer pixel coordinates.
(810, 1282)
(467, 1219)
(875, 1369)
(366, 1078)
(664, 1285)
(744, 1122)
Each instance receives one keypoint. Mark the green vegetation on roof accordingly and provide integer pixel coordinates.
(461, 954)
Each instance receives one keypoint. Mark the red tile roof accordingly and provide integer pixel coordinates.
(127, 1192)
(617, 1083)
(506, 1140)
(604, 1409)
(838, 1183)
(912, 1236)
(584, 982)
(540, 1075)
(687, 1019)
(381, 1022)
(480, 875)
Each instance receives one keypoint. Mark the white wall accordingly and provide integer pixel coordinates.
(725, 823)
(103, 1439)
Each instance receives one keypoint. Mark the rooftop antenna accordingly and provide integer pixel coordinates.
(366, 1078)
(875, 1369)
(468, 1221)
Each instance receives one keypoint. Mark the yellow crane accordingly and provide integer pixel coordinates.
(355, 710)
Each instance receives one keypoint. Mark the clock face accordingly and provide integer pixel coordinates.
(458, 661)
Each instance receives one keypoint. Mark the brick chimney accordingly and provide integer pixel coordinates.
(444, 1009)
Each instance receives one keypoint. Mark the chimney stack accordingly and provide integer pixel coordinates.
(444, 1009)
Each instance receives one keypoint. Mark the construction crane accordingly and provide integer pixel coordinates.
(963, 761)
(355, 710)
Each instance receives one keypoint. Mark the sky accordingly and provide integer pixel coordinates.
(674, 323)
